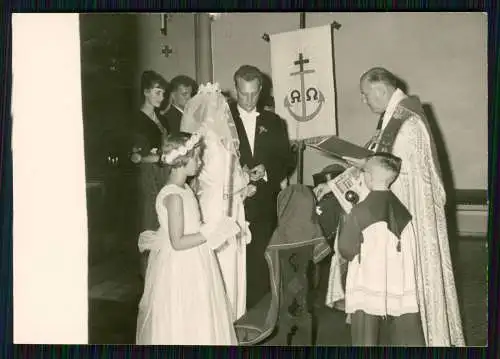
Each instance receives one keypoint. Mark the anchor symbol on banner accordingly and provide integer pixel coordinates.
(303, 96)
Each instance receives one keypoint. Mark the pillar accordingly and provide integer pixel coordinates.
(203, 47)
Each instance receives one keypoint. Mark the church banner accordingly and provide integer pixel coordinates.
(303, 82)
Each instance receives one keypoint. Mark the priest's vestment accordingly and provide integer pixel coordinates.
(420, 188)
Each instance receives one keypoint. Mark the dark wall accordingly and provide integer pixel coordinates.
(109, 100)
(109, 62)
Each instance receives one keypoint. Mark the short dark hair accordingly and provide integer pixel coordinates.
(184, 81)
(389, 162)
(151, 79)
(248, 73)
(379, 74)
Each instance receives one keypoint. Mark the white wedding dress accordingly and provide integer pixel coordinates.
(218, 197)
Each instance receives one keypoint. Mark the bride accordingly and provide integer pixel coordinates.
(222, 185)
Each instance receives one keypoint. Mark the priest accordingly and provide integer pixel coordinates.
(404, 131)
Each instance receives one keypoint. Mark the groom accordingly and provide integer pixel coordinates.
(265, 151)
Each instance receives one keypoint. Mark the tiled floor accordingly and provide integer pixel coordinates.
(115, 290)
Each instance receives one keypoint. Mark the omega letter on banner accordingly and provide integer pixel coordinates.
(303, 83)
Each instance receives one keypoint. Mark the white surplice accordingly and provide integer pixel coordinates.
(381, 279)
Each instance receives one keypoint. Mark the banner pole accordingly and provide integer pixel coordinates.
(301, 145)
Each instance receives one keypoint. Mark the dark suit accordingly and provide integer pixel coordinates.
(171, 120)
(271, 149)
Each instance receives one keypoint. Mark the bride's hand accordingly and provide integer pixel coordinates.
(245, 174)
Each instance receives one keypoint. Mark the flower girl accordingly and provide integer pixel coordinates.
(184, 302)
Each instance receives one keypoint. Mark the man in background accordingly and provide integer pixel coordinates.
(182, 88)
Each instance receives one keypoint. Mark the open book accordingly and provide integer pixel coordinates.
(349, 180)
(339, 148)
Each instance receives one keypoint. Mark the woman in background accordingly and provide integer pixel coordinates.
(147, 138)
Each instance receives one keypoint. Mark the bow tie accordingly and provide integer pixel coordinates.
(249, 115)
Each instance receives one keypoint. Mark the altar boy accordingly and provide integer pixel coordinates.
(381, 284)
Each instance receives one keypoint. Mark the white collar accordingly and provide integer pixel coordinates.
(244, 113)
(177, 107)
(396, 98)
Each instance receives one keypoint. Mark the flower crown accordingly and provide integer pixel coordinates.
(209, 88)
(170, 157)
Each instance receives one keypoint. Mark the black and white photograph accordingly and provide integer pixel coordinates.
(251, 178)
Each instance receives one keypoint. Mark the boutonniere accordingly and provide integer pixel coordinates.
(262, 130)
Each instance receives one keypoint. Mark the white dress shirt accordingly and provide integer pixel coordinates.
(249, 120)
